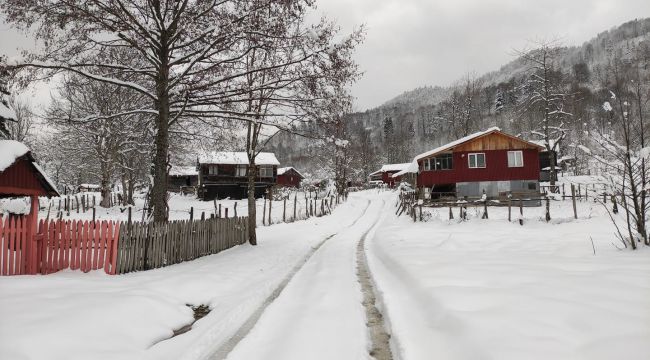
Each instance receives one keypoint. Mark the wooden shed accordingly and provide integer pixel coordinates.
(289, 177)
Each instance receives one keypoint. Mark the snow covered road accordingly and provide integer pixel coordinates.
(320, 313)
(133, 316)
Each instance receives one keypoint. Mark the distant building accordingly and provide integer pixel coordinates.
(182, 178)
(225, 174)
(490, 162)
(88, 188)
(289, 177)
(385, 174)
(545, 157)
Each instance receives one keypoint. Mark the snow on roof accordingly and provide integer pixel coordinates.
(237, 158)
(285, 169)
(45, 176)
(455, 143)
(10, 151)
(89, 186)
(183, 170)
(394, 167)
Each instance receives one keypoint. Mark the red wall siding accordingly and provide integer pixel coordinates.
(289, 178)
(387, 179)
(496, 169)
(19, 179)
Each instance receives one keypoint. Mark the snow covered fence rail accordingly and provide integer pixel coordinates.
(144, 246)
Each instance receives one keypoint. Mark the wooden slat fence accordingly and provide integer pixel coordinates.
(77, 245)
(144, 246)
(13, 245)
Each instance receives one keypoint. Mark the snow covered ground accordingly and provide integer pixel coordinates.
(71, 315)
(477, 289)
(490, 289)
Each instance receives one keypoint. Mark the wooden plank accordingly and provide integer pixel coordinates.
(12, 243)
(4, 246)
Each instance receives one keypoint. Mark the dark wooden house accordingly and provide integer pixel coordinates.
(289, 177)
(225, 174)
(490, 162)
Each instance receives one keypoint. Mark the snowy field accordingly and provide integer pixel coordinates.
(475, 289)
(490, 289)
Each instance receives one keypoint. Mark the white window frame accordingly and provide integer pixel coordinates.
(266, 171)
(514, 154)
(427, 165)
(213, 169)
(241, 170)
(475, 156)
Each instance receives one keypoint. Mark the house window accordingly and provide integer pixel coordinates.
(266, 171)
(444, 162)
(515, 158)
(241, 170)
(213, 169)
(427, 165)
(476, 160)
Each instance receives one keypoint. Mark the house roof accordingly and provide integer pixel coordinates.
(281, 171)
(237, 158)
(391, 167)
(413, 166)
(11, 151)
(183, 170)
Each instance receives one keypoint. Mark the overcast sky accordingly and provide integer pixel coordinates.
(413, 43)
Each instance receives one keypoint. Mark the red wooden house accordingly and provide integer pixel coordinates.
(385, 174)
(289, 177)
(490, 162)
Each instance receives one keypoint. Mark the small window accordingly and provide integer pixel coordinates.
(213, 169)
(532, 186)
(266, 171)
(515, 158)
(427, 165)
(476, 160)
(241, 170)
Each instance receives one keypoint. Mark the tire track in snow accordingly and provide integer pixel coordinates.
(379, 336)
(228, 346)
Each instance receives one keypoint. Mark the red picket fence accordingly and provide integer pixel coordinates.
(58, 245)
(14, 242)
(78, 245)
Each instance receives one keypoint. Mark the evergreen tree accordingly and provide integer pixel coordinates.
(389, 140)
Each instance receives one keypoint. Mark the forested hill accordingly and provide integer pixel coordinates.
(429, 116)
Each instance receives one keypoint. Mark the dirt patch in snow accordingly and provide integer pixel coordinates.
(379, 337)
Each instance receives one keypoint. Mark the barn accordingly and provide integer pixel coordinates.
(490, 162)
(225, 174)
(289, 177)
(385, 174)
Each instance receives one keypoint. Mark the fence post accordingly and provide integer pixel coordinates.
(220, 211)
(615, 207)
(521, 212)
(509, 209)
(270, 205)
(295, 200)
(226, 212)
(191, 213)
(563, 193)
(451, 214)
(235, 209)
(264, 213)
(548, 209)
(485, 211)
(202, 215)
(94, 213)
(284, 210)
(573, 199)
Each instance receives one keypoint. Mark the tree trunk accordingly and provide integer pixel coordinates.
(159, 190)
(252, 224)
